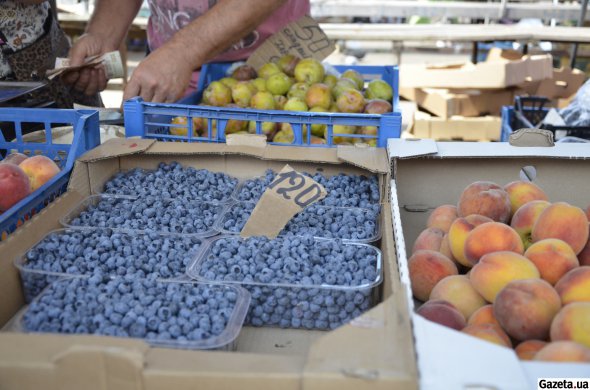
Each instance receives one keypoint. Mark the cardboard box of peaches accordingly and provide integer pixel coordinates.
(498, 266)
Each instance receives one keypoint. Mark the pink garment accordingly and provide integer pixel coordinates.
(169, 16)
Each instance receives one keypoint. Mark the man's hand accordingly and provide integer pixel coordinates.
(89, 81)
(162, 77)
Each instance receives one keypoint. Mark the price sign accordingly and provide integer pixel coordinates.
(287, 195)
(303, 38)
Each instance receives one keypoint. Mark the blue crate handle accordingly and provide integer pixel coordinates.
(152, 120)
(85, 125)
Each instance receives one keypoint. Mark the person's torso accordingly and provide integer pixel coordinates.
(20, 26)
(169, 16)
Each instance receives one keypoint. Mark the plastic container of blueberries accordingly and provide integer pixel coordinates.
(93, 200)
(226, 341)
(35, 280)
(262, 291)
(219, 226)
(224, 200)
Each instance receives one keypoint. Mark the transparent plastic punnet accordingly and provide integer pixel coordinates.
(173, 181)
(295, 298)
(171, 314)
(342, 223)
(87, 252)
(122, 213)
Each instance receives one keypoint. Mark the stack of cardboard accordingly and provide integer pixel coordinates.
(466, 99)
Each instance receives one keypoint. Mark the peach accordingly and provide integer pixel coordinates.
(572, 323)
(430, 238)
(525, 308)
(485, 198)
(564, 221)
(584, 255)
(522, 192)
(491, 237)
(488, 332)
(14, 185)
(525, 217)
(443, 313)
(442, 217)
(495, 270)
(458, 233)
(445, 248)
(40, 169)
(574, 286)
(529, 348)
(427, 268)
(564, 351)
(587, 211)
(15, 158)
(457, 289)
(483, 315)
(552, 257)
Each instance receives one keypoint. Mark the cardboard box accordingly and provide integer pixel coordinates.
(487, 128)
(427, 174)
(375, 351)
(503, 68)
(564, 84)
(446, 103)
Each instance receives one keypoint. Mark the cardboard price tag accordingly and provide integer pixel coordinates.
(286, 196)
(303, 38)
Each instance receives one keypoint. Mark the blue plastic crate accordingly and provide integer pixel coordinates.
(153, 120)
(86, 137)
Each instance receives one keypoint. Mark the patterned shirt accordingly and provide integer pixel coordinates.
(20, 26)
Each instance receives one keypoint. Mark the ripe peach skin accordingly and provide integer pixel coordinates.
(553, 258)
(443, 313)
(564, 221)
(491, 237)
(525, 217)
(574, 286)
(445, 248)
(563, 351)
(442, 217)
(529, 348)
(429, 238)
(40, 169)
(14, 185)
(488, 332)
(522, 192)
(457, 289)
(495, 270)
(427, 268)
(572, 323)
(525, 308)
(483, 315)
(458, 233)
(584, 255)
(485, 198)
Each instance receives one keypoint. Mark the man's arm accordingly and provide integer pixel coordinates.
(106, 30)
(165, 73)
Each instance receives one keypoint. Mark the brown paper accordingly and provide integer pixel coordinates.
(286, 196)
(303, 38)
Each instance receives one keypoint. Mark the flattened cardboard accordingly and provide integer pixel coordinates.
(303, 38)
(375, 351)
(446, 103)
(487, 128)
(439, 178)
(117, 147)
(286, 196)
(497, 72)
(249, 140)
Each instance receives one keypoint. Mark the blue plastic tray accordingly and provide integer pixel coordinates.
(152, 120)
(86, 137)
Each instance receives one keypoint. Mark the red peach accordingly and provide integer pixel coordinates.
(442, 217)
(522, 192)
(491, 237)
(430, 238)
(427, 268)
(443, 313)
(572, 323)
(563, 221)
(574, 286)
(552, 257)
(483, 315)
(525, 217)
(488, 332)
(458, 233)
(563, 351)
(457, 289)
(40, 169)
(487, 199)
(529, 348)
(14, 185)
